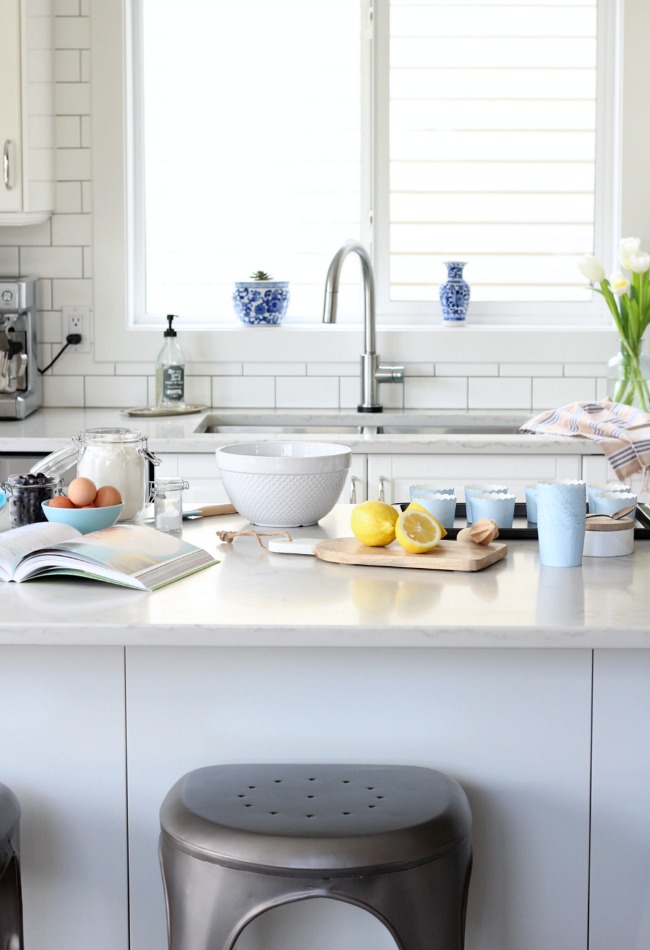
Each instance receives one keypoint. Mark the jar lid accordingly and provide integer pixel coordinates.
(605, 523)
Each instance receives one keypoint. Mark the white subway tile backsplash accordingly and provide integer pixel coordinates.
(9, 261)
(66, 8)
(63, 391)
(552, 393)
(49, 327)
(106, 391)
(31, 234)
(73, 164)
(68, 131)
(313, 392)
(72, 98)
(325, 369)
(243, 392)
(67, 66)
(72, 32)
(531, 369)
(274, 369)
(71, 292)
(68, 197)
(71, 229)
(585, 369)
(467, 369)
(419, 369)
(44, 295)
(55, 261)
(436, 393)
(499, 393)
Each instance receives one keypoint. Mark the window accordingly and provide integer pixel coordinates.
(269, 132)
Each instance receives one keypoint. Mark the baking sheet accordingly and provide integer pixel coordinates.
(522, 530)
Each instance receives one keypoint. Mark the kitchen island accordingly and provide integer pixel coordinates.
(526, 684)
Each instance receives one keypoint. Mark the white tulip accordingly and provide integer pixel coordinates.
(592, 269)
(626, 248)
(620, 284)
(639, 263)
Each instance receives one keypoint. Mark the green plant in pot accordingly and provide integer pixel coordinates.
(261, 301)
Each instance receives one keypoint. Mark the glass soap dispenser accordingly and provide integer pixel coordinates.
(170, 371)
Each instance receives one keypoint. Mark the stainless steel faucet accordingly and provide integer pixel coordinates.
(372, 371)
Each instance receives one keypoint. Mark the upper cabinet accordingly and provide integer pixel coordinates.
(26, 111)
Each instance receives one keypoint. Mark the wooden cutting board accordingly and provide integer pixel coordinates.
(447, 556)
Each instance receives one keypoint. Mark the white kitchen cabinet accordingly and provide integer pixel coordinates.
(26, 112)
(393, 474)
(512, 726)
(206, 487)
(620, 850)
(63, 750)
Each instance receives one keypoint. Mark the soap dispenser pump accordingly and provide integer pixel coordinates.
(170, 370)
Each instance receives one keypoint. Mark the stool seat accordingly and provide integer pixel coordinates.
(11, 904)
(237, 840)
(315, 818)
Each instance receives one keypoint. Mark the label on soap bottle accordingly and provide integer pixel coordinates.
(173, 383)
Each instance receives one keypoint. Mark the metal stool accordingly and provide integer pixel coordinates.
(237, 840)
(11, 904)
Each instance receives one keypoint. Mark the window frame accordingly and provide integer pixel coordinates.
(118, 338)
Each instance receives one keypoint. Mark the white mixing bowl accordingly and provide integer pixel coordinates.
(283, 484)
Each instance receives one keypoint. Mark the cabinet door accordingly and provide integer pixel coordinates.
(10, 100)
(620, 848)
(395, 474)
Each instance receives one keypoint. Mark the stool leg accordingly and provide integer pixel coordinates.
(11, 907)
(423, 907)
(209, 905)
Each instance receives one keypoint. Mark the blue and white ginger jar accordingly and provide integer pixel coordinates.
(261, 303)
(454, 293)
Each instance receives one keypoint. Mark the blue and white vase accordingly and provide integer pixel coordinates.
(261, 303)
(454, 293)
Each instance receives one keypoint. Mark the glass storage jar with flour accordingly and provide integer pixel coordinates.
(109, 456)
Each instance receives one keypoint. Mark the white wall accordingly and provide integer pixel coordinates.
(472, 367)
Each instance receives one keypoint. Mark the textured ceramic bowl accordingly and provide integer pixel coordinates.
(283, 484)
(261, 303)
(84, 519)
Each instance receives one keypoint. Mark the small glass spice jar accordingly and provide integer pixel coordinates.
(26, 492)
(168, 504)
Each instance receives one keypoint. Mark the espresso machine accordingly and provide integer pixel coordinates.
(21, 387)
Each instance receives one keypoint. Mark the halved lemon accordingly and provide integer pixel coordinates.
(373, 523)
(418, 531)
(416, 506)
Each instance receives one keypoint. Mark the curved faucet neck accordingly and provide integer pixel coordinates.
(330, 306)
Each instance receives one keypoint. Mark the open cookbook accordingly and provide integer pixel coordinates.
(126, 554)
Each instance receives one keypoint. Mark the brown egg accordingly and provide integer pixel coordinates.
(61, 501)
(82, 491)
(107, 495)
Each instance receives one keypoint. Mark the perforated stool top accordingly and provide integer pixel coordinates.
(316, 818)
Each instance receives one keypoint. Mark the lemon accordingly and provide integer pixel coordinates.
(373, 523)
(418, 531)
(416, 506)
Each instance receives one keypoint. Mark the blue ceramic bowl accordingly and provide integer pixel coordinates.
(83, 519)
(261, 303)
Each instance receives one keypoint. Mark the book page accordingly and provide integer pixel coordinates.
(16, 543)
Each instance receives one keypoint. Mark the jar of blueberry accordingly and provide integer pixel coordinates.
(26, 492)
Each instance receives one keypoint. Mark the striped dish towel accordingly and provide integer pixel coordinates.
(622, 432)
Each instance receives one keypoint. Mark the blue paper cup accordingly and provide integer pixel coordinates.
(561, 511)
(531, 504)
(609, 502)
(618, 487)
(498, 507)
(480, 489)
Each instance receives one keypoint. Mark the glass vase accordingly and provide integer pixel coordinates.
(628, 375)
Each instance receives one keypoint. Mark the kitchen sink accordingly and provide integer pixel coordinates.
(387, 423)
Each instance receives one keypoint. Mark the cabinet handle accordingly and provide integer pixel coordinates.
(381, 488)
(353, 490)
(6, 169)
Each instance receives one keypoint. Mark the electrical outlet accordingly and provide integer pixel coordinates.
(77, 320)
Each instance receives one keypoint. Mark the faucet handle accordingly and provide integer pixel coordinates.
(388, 373)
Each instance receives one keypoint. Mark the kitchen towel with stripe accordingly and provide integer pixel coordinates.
(622, 432)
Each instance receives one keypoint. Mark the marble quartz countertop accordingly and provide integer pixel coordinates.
(253, 598)
(49, 429)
